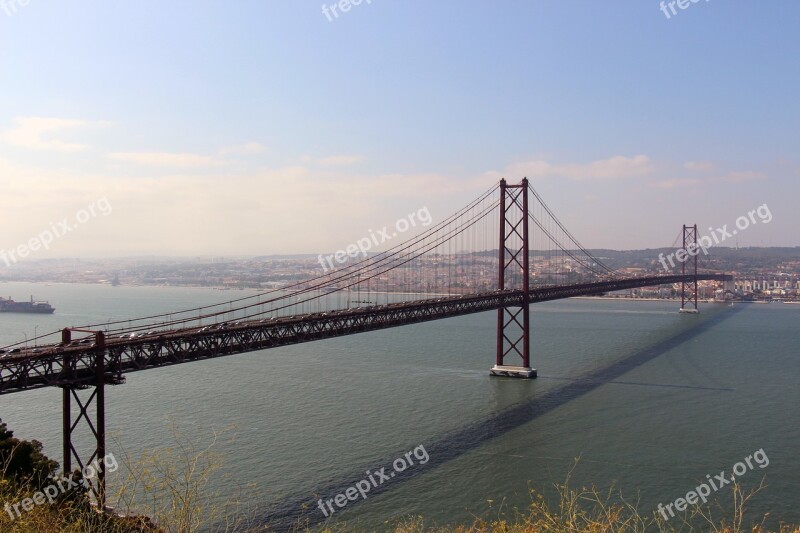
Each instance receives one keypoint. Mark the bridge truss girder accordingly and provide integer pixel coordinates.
(76, 366)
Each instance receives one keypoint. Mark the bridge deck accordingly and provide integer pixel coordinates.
(74, 365)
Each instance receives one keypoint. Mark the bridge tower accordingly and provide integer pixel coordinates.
(690, 252)
(729, 289)
(92, 374)
(513, 321)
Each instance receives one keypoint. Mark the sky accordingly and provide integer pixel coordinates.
(197, 128)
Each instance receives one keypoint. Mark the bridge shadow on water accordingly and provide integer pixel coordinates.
(303, 509)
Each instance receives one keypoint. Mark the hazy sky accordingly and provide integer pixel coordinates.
(262, 127)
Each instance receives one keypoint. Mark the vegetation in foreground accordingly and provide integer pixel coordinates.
(588, 510)
(173, 485)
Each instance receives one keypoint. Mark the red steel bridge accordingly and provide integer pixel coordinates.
(448, 269)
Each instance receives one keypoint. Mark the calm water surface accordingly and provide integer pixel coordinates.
(648, 399)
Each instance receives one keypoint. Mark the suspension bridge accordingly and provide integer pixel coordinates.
(502, 252)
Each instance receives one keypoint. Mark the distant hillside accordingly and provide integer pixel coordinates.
(718, 258)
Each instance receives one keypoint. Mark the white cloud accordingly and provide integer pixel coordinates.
(341, 160)
(616, 167)
(37, 133)
(739, 177)
(674, 183)
(705, 167)
(179, 211)
(165, 159)
(244, 149)
(699, 166)
(187, 204)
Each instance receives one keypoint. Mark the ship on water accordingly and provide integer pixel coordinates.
(10, 306)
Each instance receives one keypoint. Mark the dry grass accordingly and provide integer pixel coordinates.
(588, 510)
(182, 507)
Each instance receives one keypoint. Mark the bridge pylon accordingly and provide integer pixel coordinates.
(513, 321)
(92, 468)
(691, 251)
(729, 289)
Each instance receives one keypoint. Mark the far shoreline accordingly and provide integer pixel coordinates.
(629, 298)
(266, 290)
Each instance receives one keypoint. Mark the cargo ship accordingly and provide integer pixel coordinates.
(10, 306)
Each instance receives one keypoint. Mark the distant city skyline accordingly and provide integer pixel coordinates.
(269, 128)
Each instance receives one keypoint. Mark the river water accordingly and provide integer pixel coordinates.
(647, 399)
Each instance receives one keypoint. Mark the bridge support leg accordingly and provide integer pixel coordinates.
(513, 322)
(93, 468)
(689, 289)
(729, 289)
